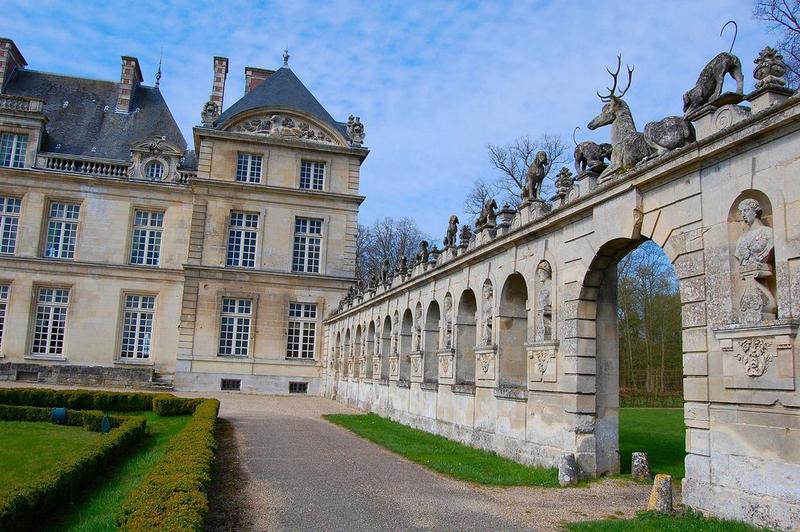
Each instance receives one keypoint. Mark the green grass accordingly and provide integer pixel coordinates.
(96, 508)
(445, 456)
(657, 431)
(653, 522)
(29, 448)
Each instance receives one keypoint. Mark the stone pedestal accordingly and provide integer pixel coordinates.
(486, 366)
(447, 370)
(415, 360)
(661, 495)
(766, 97)
(718, 115)
(542, 363)
(394, 368)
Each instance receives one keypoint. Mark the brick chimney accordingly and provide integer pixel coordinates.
(254, 76)
(129, 80)
(10, 60)
(220, 73)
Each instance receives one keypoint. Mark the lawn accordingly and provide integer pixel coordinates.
(445, 456)
(95, 509)
(657, 431)
(30, 448)
(653, 522)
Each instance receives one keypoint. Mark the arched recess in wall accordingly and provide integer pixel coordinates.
(344, 363)
(386, 347)
(357, 353)
(336, 354)
(370, 347)
(465, 333)
(406, 334)
(512, 335)
(752, 258)
(430, 371)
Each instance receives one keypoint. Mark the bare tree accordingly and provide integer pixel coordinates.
(476, 198)
(386, 238)
(783, 16)
(511, 162)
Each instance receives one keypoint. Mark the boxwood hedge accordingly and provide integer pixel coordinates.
(174, 495)
(88, 419)
(21, 509)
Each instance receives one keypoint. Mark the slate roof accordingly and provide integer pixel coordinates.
(84, 124)
(282, 89)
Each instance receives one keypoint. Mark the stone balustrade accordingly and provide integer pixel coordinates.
(21, 104)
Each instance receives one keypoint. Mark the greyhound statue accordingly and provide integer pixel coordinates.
(590, 155)
(709, 84)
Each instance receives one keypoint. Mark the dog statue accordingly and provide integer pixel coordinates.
(452, 229)
(709, 84)
(590, 155)
(668, 134)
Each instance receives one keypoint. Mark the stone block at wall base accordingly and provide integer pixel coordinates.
(727, 503)
(262, 384)
(74, 375)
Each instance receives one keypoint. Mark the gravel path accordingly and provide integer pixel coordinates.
(281, 467)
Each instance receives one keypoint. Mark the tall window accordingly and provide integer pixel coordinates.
(248, 168)
(62, 230)
(137, 327)
(234, 334)
(3, 307)
(12, 150)
(242, 239)
(146, 242)
(302, 330)
(51, 321)
(9, 222)
(307, 245)
(312, 175)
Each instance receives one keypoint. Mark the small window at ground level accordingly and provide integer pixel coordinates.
(230, 385)
(298, 387)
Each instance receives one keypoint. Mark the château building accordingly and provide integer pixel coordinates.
(130, 257)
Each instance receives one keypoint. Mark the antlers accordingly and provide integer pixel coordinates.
(611, 95)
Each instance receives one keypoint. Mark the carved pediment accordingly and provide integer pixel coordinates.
(285, 126)
(157, 146)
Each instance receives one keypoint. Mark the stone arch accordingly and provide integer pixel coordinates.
(596, 334)
(512, 335)
(465, 337)
(386, 347)
(430, 361)
(371, 347)
(406, 333)
(357, 352)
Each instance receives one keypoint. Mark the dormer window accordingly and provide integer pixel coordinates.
(154, 170)
(312, 175)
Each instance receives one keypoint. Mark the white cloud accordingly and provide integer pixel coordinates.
(434, 82)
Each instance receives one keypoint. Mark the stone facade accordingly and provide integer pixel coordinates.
(226, 217)
(528, 367)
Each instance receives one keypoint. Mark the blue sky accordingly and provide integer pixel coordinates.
(433, 82)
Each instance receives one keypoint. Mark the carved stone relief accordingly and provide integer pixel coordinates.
(284, 126)
(542, 358)
(487, 314)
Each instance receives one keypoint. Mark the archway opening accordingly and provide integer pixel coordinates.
(430, 361)
(513, 332)
(386, 348)
(466, 338)
(405, 345)
(370, 348)
(632, 290)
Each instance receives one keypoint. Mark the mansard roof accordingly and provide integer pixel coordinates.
(80, 115)
(283, 89)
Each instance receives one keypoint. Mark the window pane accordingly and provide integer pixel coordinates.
(9, 223)
(234, 337)
(12, 150)
(51, 321)
(62, 230)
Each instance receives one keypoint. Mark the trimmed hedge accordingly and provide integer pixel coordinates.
(169, 405)
(88, 419)
(79, 399)
(174, 495)
(21, 509)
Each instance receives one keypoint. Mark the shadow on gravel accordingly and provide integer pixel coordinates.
(228, 507)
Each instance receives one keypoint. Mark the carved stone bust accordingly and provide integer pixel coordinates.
(544, 306)
(755, 246)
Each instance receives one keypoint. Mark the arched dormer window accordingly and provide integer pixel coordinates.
(154, 170)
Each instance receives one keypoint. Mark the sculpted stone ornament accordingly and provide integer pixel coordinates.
(564, 182)
(355, 130)
(284, 126)
(402, 267)
(544, 306)
(532, 190)
(449, 240)
(423, 255)
(448, 322)
(755, 354)
(434, 255)
(709, 85)
(465, 236)
(668, 134)
(542, 360)
(487, 217)
(386, 275)
(754, 252)
(210, 113)
(770, 69)
(485, 360)
(444, 364)
(418, 329)
(590, 156)
(487, 314)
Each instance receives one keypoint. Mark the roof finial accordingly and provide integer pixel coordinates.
(286, 56)
(158, 74)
